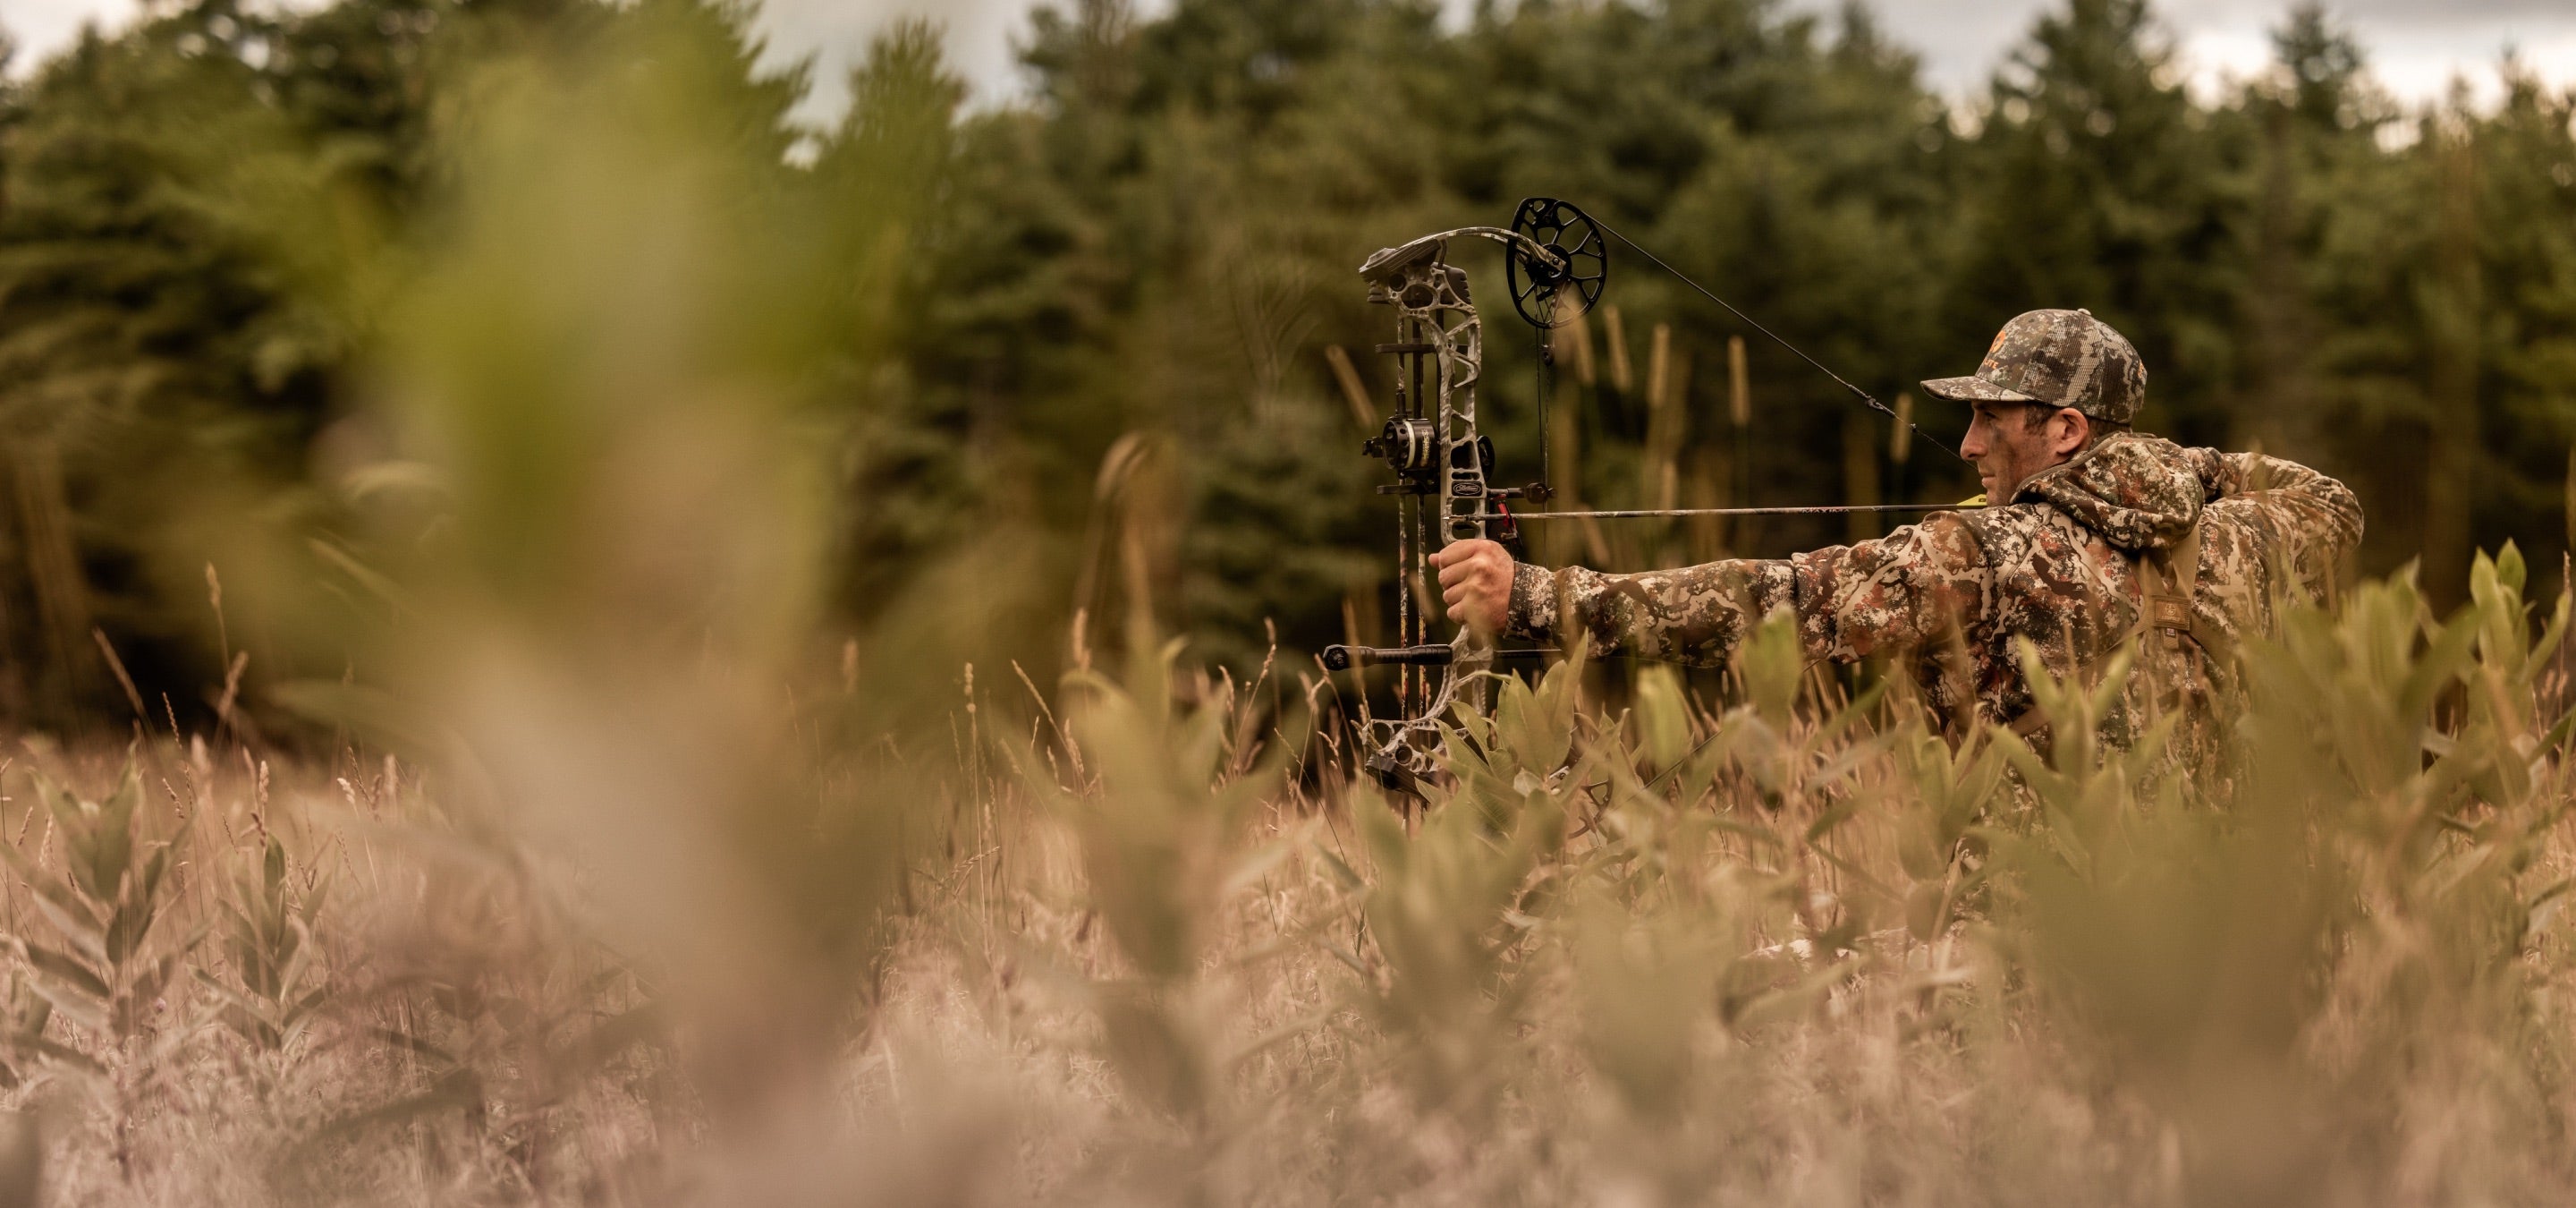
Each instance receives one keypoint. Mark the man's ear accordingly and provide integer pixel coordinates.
(2067, 431)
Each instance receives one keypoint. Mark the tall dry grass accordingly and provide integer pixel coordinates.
(1155, 944)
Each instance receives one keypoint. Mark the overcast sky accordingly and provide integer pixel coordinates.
(2416, 46)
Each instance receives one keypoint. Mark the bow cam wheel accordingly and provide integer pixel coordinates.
(1542, 292)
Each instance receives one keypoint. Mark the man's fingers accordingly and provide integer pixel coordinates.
(1462, 551)
(1475, 579)
(1460, 580)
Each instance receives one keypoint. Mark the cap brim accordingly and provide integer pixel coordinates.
(1974, 389)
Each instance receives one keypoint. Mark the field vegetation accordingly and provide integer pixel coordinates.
(578, 642)
(1146, 940)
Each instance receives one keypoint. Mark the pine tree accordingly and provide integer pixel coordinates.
(2524, 234)
(134, 338)
(2098, 184)
(202, 219)
(187, 204)
(2315, 117)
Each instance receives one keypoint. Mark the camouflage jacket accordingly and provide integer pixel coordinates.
(2059, 565)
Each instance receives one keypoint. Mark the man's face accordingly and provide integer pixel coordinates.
(2008, 448)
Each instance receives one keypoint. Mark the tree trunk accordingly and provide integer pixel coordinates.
(53, 574)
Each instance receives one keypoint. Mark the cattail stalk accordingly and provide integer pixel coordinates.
(1656, 465)
(1860, 474)
(1739, 411)
(1739, 384)
(1581, 329)
(1354, 391)
(1621, 379)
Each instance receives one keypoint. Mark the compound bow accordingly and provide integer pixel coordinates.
(1556, 261)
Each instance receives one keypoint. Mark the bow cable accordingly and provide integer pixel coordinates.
(1747, 320)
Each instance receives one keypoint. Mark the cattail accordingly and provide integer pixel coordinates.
(1739, 384)
(1668, 422)
(1620, 378)
(1659, 363)
(1707, 489)
(1860, 475)
(1582, 331)
(1659, 358)
(2571, 497)
(1354, 391)
(1739, 409)
(1678, 389)
(1677, 393)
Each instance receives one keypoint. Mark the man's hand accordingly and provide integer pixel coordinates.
(1476, 580)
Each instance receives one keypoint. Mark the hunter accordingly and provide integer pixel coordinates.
(2094, 535)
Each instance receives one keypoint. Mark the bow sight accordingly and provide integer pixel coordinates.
(1556, 265)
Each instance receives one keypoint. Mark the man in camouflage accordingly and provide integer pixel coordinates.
(2095, 535)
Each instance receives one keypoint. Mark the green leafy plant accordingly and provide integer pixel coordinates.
(104, 974)
(272, 996)
(1159, 786)
(23, 1016)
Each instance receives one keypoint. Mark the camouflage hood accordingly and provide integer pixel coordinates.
(2138, 492)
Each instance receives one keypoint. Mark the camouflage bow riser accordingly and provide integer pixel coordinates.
(1437, 451)
(1443, 463)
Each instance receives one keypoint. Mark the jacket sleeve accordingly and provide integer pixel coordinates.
(2312, 519)
(1850, 601)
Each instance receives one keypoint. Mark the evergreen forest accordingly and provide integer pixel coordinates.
(1091, 336)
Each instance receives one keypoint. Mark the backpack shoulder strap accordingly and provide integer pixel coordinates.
(2169, 576)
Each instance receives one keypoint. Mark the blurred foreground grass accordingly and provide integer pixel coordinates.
(627, 885)
(1141, 949)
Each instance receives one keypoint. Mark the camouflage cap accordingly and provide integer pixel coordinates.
(2064, 358)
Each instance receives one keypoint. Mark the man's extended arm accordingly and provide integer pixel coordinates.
(1850, 600)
